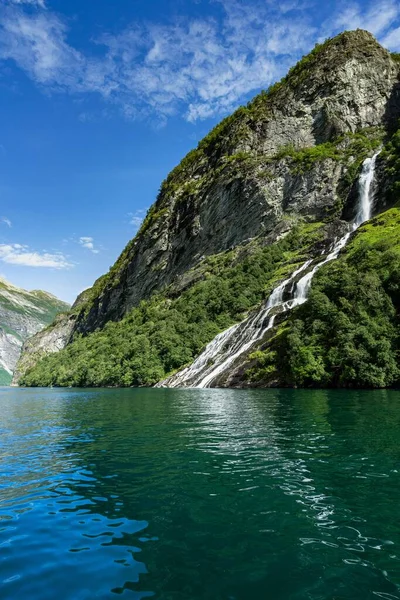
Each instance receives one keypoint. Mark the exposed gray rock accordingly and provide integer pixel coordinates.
(242, 182)
(53, 339)
(22, 314)
(345, 89)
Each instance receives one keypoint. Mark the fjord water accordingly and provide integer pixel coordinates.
(199, 494)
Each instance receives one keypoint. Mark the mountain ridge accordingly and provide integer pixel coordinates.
(23, 313)
(289, 159)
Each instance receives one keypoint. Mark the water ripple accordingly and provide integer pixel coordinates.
(199, 495)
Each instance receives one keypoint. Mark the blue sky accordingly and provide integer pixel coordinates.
(99, 99)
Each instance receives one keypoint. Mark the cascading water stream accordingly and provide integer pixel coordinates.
(365, 203)
(229, 345)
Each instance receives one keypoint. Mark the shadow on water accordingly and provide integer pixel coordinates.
(199, 494)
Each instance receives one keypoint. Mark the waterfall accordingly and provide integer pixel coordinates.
(365, 203)
(229, 345)
(304, 284)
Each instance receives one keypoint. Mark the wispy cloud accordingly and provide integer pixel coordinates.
(17, 254)
(6, 221)
(392, 39)
(88, 243)
(36, 42)
(376, 17)
(39, 3)
(195, 67)
(136, 218)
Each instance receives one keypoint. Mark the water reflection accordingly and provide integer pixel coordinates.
(199, 494)
(286, 446)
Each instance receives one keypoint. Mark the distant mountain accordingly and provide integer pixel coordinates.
(22, 314)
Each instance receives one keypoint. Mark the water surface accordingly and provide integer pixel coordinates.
(199, 494)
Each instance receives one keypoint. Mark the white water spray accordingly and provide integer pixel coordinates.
(365, 204)
(229, 345)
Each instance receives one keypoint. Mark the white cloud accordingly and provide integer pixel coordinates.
(36, 43)
(195, 67)
(376, 18)
(136, 218)
(88, 242)
(37, 3)
(6, 221)
(17, 254)
(392, 40)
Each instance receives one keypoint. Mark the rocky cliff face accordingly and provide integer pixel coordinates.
(294, 153)
(51, 340)
(22, 314)
(240, 183)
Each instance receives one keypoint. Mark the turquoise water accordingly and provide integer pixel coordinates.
(199, 494)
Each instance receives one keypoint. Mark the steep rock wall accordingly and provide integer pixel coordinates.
(294, 152)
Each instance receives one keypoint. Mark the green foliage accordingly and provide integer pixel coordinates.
(275, 87)
(299, 72)
(350, 148)
(37, 303)
(305, 158)
(300, 69)
(391, 154)
(220, 153)
(348, 333)
(395, 56)
(265, 368)
(165, 333)
(152, 216)
(5, 378)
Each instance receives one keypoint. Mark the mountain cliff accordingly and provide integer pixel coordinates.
(268, 190)
(22, 314)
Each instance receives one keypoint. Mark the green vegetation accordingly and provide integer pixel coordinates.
(220, 153)
(5, 378)
(225, 138)
(356, 148)
(165, 333)
(299, 70)
(348, 333)
(21, 312)
(391, 154)
(351, 149)
(395, 56)
(305, 158)
(36, 303)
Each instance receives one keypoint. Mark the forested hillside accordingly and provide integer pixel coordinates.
(272, 188)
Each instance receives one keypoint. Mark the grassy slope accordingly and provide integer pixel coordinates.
(42, 307)
(5, 378)
(220, 154)
(165, 333)
(348, 333)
